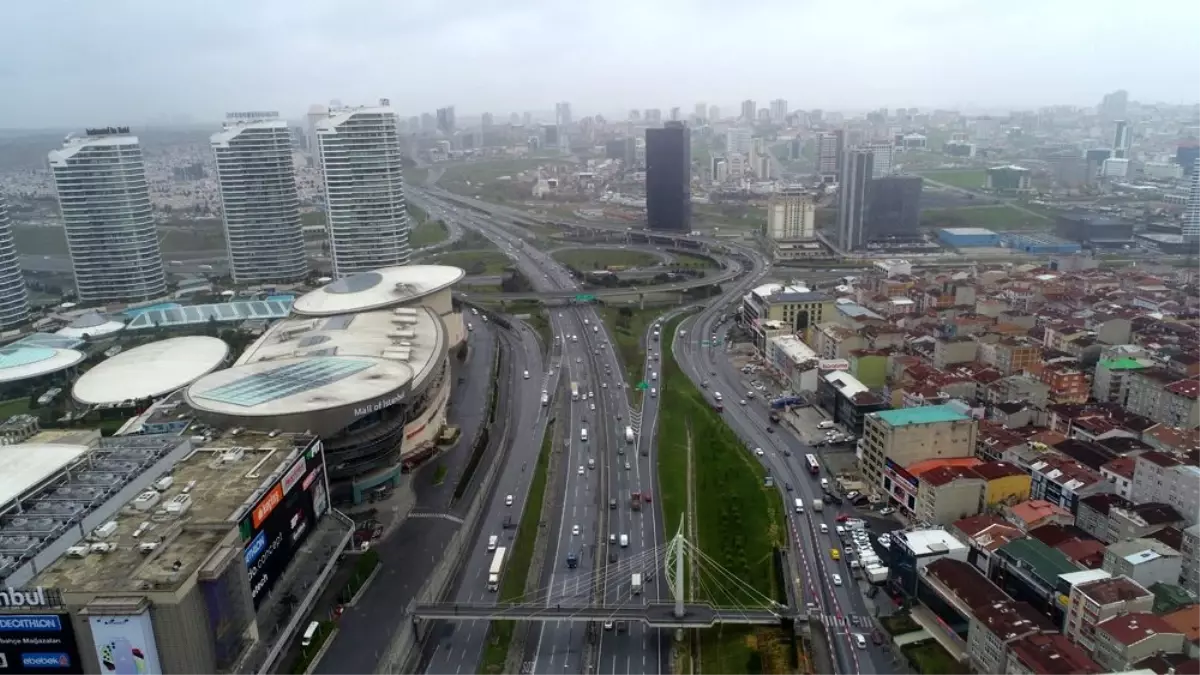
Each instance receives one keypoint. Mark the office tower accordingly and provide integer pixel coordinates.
(364, 189)
(791, 214)
(779, 110)
(795, 149)
(719, 169)
(894, 207)
(486, 121)
(428, 122)
(669, 178)
(830, 148)
(445, 120)
(259, 199)
(514, 120)
(527, 119)
(882, 163)
(653, 115)
(1191, 216)
(737, 139)
(316, 113)
(551, 134)
(675, 114)
(714, 113)
(1121, 140)
(748, 111)
(562, 114)
(105, 203)
(700, 112)
(14, 296)
(1113, 106)
(764, 115)
(853, 198)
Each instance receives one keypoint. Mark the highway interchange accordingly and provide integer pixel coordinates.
(592, 363)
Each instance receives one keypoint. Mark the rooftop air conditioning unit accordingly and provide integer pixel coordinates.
(179, 504)
(233, 455)
(147, 547)
(77, 552)
(103, 548)
(147, 500)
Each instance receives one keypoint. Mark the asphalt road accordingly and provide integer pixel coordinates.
(589, 360)
(842, 606)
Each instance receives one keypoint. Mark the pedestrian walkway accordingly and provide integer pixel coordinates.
(845, 624)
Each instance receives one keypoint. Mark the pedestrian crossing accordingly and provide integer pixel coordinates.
(853, 621)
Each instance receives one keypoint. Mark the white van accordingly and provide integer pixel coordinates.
(799, 505)
(653, 392)
(624, 540)
(824, 528)
(654, 375)
(825, 425)
(492, 542)
(310, 633)
(583, 435)
(526, 374)
(824, 482)
(591, 463)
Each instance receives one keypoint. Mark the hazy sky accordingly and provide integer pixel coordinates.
(75, 62)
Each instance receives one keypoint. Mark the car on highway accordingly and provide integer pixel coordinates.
(508, 500)
(591, 406)
(758, 451)
(837, 579)
(575, 530)
(835, 554)
(608, 625)
(604, 385)
(612, 539)
(580, 469)
(626, 466)
(578, 360)
(743, 401)
(860, 641)
(612, 504)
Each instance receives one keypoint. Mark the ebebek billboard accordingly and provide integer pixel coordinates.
(282, 519)
(38, 643)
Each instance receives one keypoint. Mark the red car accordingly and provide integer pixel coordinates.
(842, 517)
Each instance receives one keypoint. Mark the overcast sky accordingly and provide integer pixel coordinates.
(76, 62)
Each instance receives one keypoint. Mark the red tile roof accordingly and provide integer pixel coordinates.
(1053, 654)
(1130, 629)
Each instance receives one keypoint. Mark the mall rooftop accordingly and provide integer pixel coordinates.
(156, 550)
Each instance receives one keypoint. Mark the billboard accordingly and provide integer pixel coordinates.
(282, 519)
(125, 644)
(38, 643)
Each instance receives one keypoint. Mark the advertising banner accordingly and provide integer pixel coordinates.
(281, 520)
(38, 643)
(125, 644)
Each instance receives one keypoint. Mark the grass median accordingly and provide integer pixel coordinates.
(520, 558)
(739, 521)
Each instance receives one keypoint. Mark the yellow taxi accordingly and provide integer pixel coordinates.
(835, 554)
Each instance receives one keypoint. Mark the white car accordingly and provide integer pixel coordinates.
(591, 394)
(578, 360)
(575, 533)
(626, 466)
(592, 406)
(581, 470)
(743, 401)
(604, 385)
(508, 500)
(837, 578)
(758, 451)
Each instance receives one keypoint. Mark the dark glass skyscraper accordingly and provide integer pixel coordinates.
(669, 178)
(894, 208)
(854, 198)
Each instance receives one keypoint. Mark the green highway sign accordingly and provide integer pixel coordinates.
(642, 386)
(704, 343)
(584, 297)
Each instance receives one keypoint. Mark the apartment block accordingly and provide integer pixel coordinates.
(947, 494)
(911, 435)
(1110, 381)
(995, 627)
(1049, 654)
(1124, 640)
(1063, 481)
(1160, 395)
(949, 351)
(1067, 383)
(1146, 561)
(1094, 602)
(1013, 357)
(1159, 477)
(1005, 483)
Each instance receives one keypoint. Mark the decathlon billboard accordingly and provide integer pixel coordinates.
(38, 643)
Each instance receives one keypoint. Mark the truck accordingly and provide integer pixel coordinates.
(876, 574)
(493, 579)
(818, 505)
(635, 583)
(574, 391)
(635, 500)
(572, 560)
(545, 397)
(628, 434)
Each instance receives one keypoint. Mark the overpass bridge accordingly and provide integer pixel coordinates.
(653, 614)
(726, 274)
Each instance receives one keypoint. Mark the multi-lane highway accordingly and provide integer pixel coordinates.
(842, 606)
(598, 472)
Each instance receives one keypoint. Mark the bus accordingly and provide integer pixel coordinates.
(813, 467)
(574, 391)
(493, 581)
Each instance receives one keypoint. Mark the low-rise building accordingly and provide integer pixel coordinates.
(1190, 575)
(1064, 481)
(794, 360)
(911, 435)
(1005, 483)
(1049, 654)
(1124, 640)
(995, 627)
(1093, 514)
(1094, 602)
(1029, 570)
(1164, 397)
(984, 534)
(913, 550)
(947, 494)
(847, 400)
(1146, 561)
(1109, 383)
(1034, 513)
(1159, 477)
(1141, 520)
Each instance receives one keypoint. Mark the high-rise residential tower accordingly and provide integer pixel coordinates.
(562, 114)
(881, 165)
(364, 189)
(791, 214)
(14, 295)
(259, 199)
(445, 120)
(854, 198)
(749, 110)
(669, 178)
(1191, 216)
(104, 199)
(1121, 140)
(779, 110)
(316, 113)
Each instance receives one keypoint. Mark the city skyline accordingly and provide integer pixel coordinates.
(1046, 59)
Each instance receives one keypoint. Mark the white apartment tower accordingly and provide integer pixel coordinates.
(105, 204)
(364, 189)
(259, 199)
(14, 296)
(316, 113)
(791, 215)
(779, 110)
(883, 152)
